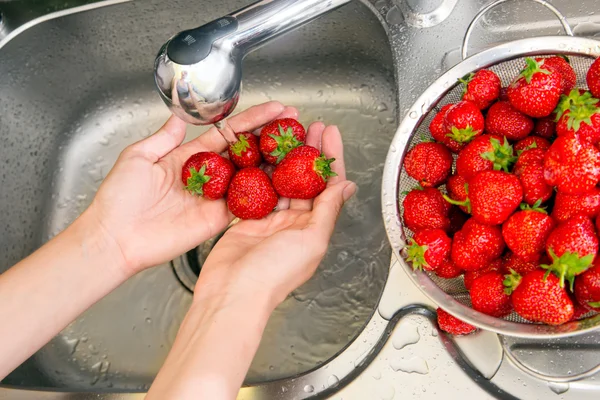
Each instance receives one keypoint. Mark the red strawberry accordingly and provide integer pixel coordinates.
(494, 196)
(470, 276)
(504, 120)
(503, 94)
(458, 190)
(561, 64)
(540, 298)
(251, 194)
(438, 130)
(484, 153)
(530, 170)
(279, 137)
(531, 142)
(482, 88)
(526, 231)
(579, 310)
(545, 127)
(587, 288)
(512, 262)
(453, 325)
(572, 165)
(488, 295)
(457, 220)
(598, 223)
(207, 174)
(425, 209)
(593, 78)
(428, 249)
(536, 90)
(579, 113)
(464, 122)
(429, 163)
(448, 270)
(476, 245)
(303, 173)
(572, 247)
(245, 152)
(569, 205)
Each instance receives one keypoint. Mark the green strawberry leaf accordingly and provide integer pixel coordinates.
(466, 79)
(501, 156)
(536, 207)
(462, 135)
(531, 146)
(322, 167)
(532, 67)
(567, 266)
(594, 304)
(511, 281)
(286, 142)
(240, 146)
(416, 255)
(196, 180)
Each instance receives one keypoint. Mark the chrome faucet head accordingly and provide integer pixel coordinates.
(198, 74)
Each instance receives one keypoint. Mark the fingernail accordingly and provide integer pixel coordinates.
(349, 191)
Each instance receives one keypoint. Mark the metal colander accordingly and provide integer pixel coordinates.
(506, 60)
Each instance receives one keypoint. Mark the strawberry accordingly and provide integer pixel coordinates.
(482, 88)
(494, 195)
(538, 297)
(207, 174)
(572, 165)
(587, 288)
(531, 142)
(485, 152)
(579, 310)
(572, 247)
(530, 170)
(428, 248)
(476, 245)
(458, 190)
(251, 194)
(303, 173)
(438, 130)
(488, 295)
(245, 152)
(537, 89)
(593, 78)
(504, 120)
(470, 276)
(457, 220)
(425, 208)
(526, 231)
(545, 127)
(513, 262)
(279, 137)
(453, 325)
(464, 122)
(579, 113)
(429, 163)
(569, 205)
(448, 270)
(561, 65)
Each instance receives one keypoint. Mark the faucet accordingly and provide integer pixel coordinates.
(198, 72)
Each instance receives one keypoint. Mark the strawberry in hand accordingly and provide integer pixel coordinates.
(245, 152)
(207, 174)
(280, 137)
(537, 89)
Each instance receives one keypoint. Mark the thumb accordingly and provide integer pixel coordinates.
(328, 205)
(165, 140)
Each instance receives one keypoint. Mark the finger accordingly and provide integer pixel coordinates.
(283, 204)
(313, 138)
(248, 120)
(327, 208)
(288, 112)
(333, 147)
(161, 143)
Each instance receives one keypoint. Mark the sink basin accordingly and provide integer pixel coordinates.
(79, 88)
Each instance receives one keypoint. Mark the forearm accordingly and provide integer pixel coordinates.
(213, 350)
(42, 294)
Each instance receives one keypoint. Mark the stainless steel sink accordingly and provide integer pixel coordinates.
(79, 88)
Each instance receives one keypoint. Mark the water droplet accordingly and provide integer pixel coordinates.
(558, 387)
(376, 375)
(72, 345)
(309, 388)
(382, 107)
(406, 333)
(271, 368)
(332, 380)
(148, 320)
(415, 364)
(283, 389)
(393, 148)
(413, 114)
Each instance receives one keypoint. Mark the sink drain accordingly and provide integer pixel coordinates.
(187, 266)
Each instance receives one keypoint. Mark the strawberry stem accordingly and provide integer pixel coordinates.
(594, 304)
(535, 207)
(466, 79)
(501, 156)
(567, 266)
(196, 180)
(322, 167)
(511, 281)
(465, 203)
(416, 255)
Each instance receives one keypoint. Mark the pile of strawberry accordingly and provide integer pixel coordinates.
(300, 171)
(520, 216)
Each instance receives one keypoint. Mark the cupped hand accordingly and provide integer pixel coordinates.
(275, 255)
(142, 206)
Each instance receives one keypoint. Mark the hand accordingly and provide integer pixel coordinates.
(142, 206)
(275, 255)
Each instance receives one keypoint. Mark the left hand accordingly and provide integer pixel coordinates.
(141, 206)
